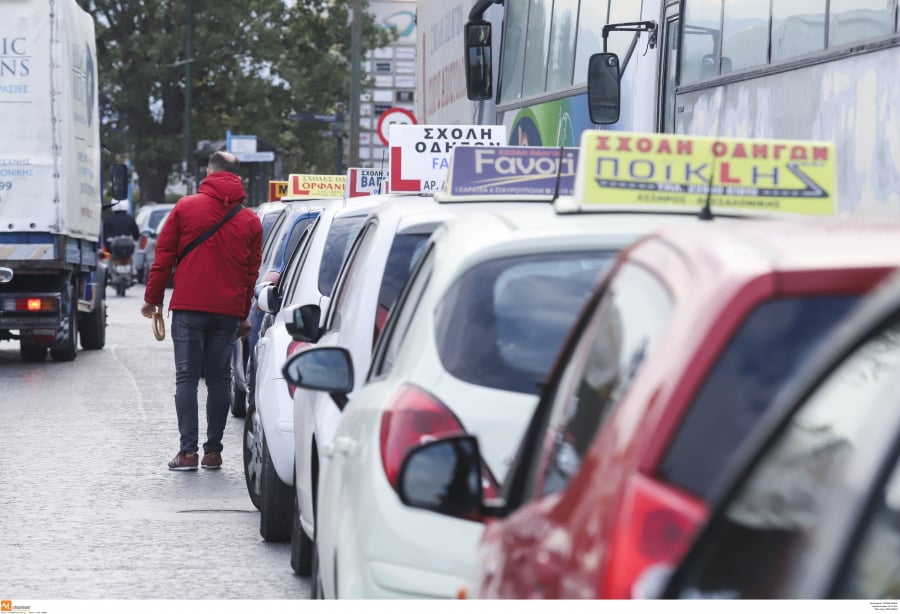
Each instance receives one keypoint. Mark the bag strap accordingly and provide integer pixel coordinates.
(208, 233)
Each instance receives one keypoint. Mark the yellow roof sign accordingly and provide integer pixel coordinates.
(316, 186)
(625, 168)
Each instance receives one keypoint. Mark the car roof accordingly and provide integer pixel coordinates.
(757, 246)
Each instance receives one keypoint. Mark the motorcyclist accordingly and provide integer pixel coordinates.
(120, 223)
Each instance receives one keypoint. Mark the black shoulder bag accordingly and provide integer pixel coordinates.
(207, 234)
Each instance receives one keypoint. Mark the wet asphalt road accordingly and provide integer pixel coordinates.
(89, 509)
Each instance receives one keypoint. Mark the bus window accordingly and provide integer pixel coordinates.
(513, 58)
(538, 37)
(700, 47)
(745, 39)
(562, 45)
(591, 17)
(854, 20)
(798, 27)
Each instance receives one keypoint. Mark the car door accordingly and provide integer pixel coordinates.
(813, 508)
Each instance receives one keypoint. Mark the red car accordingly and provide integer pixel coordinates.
(677, 354)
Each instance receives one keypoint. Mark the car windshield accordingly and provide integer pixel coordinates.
(337, 244)
(502, 323)
(768, 348)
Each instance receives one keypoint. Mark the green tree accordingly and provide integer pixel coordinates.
(254, 65)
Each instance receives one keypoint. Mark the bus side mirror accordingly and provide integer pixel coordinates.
(478, 61)
(119, 181)
(604, 95)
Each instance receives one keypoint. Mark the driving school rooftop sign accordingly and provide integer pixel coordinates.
(517, 172)
(316, 186)
(645, 169)
(419, 155)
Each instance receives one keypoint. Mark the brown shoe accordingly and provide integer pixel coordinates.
(184, 462)
(212, 460)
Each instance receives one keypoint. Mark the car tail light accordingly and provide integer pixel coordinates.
(271, 276)
(293, 348)
(411, 418)
(142, 242)
(656, 524)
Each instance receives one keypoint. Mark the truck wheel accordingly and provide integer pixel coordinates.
(69, 350)
(31, 352)
(93, 329)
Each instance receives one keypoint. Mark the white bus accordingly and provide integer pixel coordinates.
(792, 69)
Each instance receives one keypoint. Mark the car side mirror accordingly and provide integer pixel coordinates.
(268, 299)
(324, 368)
(478, 60)
(119, 181)
(603, 88)
(302, 322)
(444, 476)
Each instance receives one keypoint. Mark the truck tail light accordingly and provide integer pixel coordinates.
(31, 304)
(657, 524)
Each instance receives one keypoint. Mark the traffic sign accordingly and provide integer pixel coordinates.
(395, 115)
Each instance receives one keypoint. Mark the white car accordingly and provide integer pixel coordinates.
(373, 273)
(466, 350)
(268, 443)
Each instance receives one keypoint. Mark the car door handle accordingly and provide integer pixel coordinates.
(344, 445)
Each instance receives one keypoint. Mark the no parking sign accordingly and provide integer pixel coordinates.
(395, 115)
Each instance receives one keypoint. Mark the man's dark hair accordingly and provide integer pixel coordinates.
(222, 161)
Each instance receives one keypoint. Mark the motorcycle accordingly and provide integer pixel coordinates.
(121, 263)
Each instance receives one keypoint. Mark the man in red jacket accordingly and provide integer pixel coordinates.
(210, 301)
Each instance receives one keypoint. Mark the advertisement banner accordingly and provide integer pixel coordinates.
(316, 186)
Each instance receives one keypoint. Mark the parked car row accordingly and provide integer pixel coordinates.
(582, 392)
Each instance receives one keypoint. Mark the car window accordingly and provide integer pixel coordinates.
(296, 234)
(337, 244)
(401, 260)
(356, 262)
(294, 268)
(291, 268)
(502, 322)
(767, 349)
(775, 510)
(628, 322)
(156, 217)
(874, 569)
(268, 222)
(270, 243)
(398, 323)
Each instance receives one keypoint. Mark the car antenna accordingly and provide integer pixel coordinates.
(706, 211)
(559, 164)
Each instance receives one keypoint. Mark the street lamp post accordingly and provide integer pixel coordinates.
(188, 93)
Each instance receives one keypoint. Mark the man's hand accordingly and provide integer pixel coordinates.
(244, 329)
(148, 310)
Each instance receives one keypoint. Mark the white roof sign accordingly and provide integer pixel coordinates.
(420, 154)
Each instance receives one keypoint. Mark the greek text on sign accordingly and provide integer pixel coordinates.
(277, 190)
(316, 186)
(762, 174)
(363, 182)
(419, 155)
(523, 172)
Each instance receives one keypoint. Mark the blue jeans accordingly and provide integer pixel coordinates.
(203, 341)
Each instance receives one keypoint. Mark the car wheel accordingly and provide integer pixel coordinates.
(276, 503)
(301, 545)
(252, 456)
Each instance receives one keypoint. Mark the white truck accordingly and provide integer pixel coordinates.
(50, 181)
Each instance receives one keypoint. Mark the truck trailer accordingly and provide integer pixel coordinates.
(51, 196)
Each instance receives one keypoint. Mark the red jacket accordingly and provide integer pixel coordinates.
(218, 276)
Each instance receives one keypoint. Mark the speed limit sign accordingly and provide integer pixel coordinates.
(395, 115)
